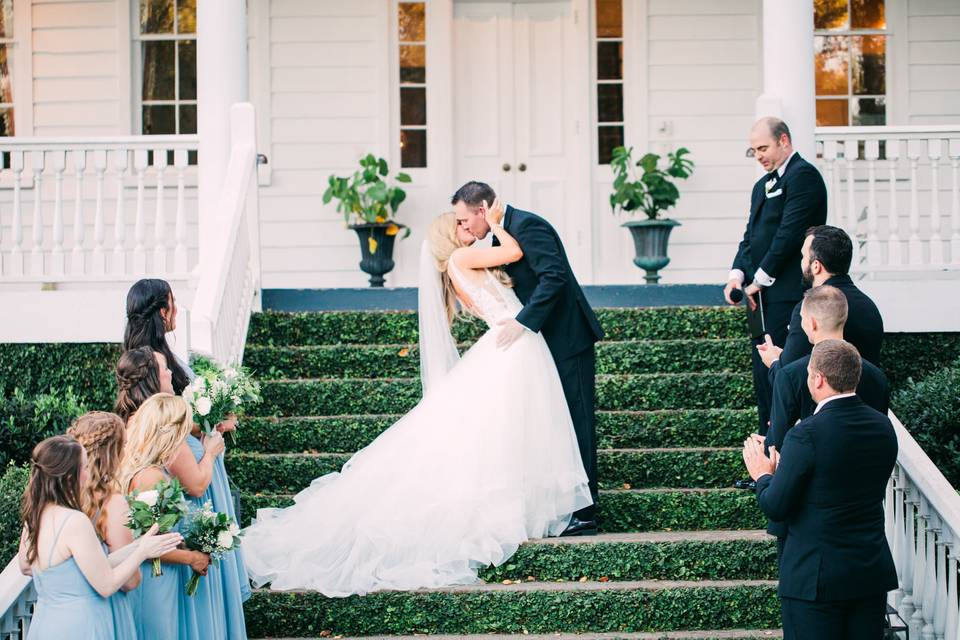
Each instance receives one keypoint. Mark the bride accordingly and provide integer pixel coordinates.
(487, 460)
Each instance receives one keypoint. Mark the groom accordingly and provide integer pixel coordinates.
(554, 305)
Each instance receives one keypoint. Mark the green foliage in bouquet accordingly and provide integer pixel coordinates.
(653, 191)
(219, 391)
(163, 505)
(209, 532)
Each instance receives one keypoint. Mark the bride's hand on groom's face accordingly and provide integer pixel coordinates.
(493, 214)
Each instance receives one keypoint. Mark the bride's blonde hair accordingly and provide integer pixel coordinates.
(154, 433)
(442, 235)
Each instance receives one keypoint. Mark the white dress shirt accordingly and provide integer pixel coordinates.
(836, 397)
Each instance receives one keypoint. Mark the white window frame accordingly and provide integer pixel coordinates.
(398, 86)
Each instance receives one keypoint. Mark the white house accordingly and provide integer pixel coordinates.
(120, 116)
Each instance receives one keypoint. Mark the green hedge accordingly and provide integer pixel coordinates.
(930, 410)
(629, 511)
(12, 483)
(674, 391)
(615, 430)
(26, 420)
(637, 468)
(51, 367)
(681, 560)
(513, 611)
(916, 355)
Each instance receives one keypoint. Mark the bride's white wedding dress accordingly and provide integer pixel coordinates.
(487, 460)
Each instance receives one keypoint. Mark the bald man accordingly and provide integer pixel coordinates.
(785, 202)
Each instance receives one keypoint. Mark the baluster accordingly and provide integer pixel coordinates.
(180, 161)
(953, 608)
(896, 544)
(936, 241)
(850, 154)
(919, 569)
(913, 153)
(16, 267)
(929, 573)
(57, 259)
(940, 600)
(954, 149)
(79, 165)
(889, 508)
(908, 605)
(36, 262)
(894, 243)
(160, 222)
(871, 153)
(139, 227)
(830, 159)
(99, 266)
(121, 160)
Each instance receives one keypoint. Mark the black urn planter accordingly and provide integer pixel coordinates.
(650, 238)
(379, 261)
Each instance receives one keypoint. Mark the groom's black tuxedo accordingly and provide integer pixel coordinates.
(555, 306)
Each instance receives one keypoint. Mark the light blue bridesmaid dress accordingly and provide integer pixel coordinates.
(124, 624)
(67, 605)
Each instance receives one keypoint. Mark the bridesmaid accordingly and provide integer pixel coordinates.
(151, 314)
(101, 435)
(60, 549)
(154, 434)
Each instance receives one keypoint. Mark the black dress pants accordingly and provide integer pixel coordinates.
(578, 378)
(777, 319)
(838, 620)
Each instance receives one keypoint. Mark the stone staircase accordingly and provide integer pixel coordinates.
(680, 555)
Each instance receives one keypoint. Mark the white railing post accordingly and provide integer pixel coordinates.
(833, 189)
(871, 153)
(894, 242)
(953, 608)
(77, 265)
(929, 573)
(850, 153)
(16, 266)
(57, 258)
(99, 262)
(953, 147)
(934, 153)
(180, 161)
(36, 257)
(140, 224)
(916, 248)
(121, 160)
(160, 222)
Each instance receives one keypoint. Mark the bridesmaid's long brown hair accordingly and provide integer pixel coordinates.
(102, 435)
(138, 378)
(54, 479)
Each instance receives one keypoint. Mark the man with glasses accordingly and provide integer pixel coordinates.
(785, 202)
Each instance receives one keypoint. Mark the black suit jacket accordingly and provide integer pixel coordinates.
(829, 488)
(864, 327)
(775, 229)
(553, 302)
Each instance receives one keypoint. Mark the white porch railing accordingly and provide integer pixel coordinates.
(229, 279)
(897, 190)
(95, 209)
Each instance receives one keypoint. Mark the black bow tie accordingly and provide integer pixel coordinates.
(773, 176)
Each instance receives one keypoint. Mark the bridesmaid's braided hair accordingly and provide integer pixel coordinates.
(102, 435)
(138, 378)
(145, 325)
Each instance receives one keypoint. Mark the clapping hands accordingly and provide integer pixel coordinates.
(757, 462)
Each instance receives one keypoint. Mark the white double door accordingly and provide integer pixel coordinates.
(521, 105)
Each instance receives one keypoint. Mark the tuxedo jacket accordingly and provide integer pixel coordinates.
(829, 488)
(553, 302)
(775, 230)
(864, 327)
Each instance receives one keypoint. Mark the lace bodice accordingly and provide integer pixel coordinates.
(491, 300)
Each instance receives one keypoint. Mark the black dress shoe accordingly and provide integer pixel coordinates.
(578, 527)
(745, 483)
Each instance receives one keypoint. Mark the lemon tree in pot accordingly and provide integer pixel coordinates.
(651, 192)
(369, 205)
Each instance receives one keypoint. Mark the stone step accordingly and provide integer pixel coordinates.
(356, 327)
(615, 429)
(617, 468)
(403, 360)
(625, 510)
(529, 607)
(614, 392)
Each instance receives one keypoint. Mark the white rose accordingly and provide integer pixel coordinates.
(220, 388)
(230, 373)
(225, 540)
(148, 498)
(236, 400)
(203, 406)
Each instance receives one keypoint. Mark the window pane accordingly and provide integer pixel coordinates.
(186, 16)
(158, 70)
(413, 63)
(831, 65)
(869, 111)
(609, 60)
(869, 68)
(830, 14)
(413, 105)
(156, 16)
(867, 14)
(6, 83)
(607, 139)
(609, 19)
(188, 118)
(159, 119)
(610, 103)
(6, 122)
(832, 113)
(412, 22)
(187, 59)
(413, 148)
(6, 18)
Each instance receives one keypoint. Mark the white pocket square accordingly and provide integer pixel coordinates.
(774, 194)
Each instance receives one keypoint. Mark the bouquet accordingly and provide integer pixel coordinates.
(209, 532)
(217, 392)
(163, 505)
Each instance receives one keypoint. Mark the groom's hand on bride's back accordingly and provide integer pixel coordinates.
(510, 330)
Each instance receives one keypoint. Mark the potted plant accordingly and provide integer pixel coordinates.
(652, 192)
(368, 204)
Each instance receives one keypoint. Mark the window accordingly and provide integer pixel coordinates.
(412, 32)
(609, 77)
(850, 44)
(6, 80)
(167, 39)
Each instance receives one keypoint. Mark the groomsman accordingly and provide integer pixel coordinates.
(826, 255)
(835, 567)
(785, 202)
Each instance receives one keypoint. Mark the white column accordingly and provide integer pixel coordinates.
(222, 72)
(788, 88)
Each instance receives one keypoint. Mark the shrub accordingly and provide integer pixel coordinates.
(26, 420)
(12, 484)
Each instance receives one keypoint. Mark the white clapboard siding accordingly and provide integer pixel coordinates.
(933, 68)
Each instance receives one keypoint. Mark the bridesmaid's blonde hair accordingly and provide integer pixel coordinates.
(154, 433)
